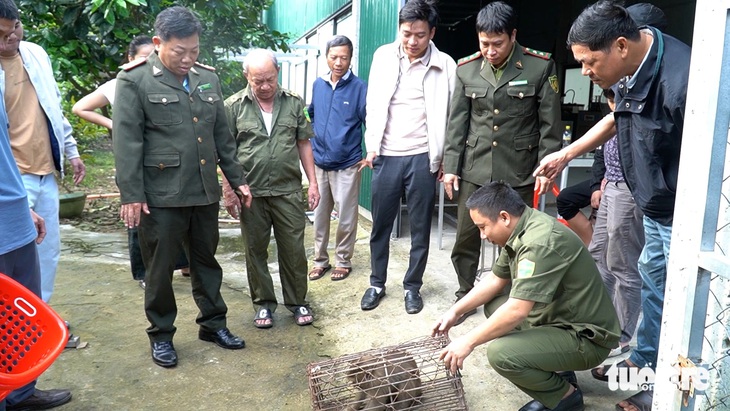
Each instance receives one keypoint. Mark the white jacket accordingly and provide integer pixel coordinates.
(40, 71)
(438, 87)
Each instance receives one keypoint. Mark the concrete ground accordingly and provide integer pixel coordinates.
(95, 292)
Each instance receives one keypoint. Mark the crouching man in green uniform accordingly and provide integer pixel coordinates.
(546, 306)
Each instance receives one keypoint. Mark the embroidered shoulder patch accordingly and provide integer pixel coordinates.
(554, 83)
(525, 268)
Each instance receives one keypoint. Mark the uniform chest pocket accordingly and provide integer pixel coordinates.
(522, 100)
(250, 136)
(287, 135)
(209, 102)
(477, 95)
(164, 109)
(162, 175)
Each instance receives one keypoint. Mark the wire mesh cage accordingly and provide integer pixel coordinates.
(408, 376)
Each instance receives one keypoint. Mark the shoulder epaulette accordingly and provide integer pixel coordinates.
(134, 63)
(467, 59)
(290, 93)
(537, 53)
(205, 66)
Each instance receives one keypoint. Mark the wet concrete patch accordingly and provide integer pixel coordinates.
(95, 292)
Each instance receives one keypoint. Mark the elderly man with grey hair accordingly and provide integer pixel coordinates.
(272, 137)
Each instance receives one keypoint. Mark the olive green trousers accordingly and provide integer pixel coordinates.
(530, 357)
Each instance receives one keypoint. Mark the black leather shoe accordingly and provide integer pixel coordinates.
(414, 302)
(371, 298)
(42, 400)
(223, 338)
(163, 354)
(573, 402)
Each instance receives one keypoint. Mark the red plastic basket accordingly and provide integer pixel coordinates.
(536, 203)
(32, 335)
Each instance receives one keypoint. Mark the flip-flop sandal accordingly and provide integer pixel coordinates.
(263, 314)
(318, 272)
(601, 373)
(641, 400)
(302, 312)
(340, 273)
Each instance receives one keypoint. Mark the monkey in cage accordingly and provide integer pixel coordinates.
(387, 382)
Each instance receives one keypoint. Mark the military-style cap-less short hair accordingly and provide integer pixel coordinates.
(496, 196)
(178, 22)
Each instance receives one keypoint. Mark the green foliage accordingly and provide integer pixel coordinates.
(99, 162)
(87, 39)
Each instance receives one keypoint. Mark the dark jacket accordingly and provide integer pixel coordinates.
(649, 122)
(337, 118)
(169, 142)
(598, 170)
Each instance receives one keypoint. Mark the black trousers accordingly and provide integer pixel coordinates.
(22, 266)
(392, 177)
(162, 234)
(135, 256)
(572, 198)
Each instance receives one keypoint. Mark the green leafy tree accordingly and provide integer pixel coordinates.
(87, 39)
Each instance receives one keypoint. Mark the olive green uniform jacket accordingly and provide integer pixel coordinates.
(168, 141)
(500, 129)
(271, 163)
(549, 265)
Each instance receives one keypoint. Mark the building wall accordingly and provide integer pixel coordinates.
(378, 25)
(297, 17)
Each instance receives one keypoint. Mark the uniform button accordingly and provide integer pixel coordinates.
(161, 166)
(628, 105)
(496, 128)
(195, 119)
(640, 106)
(496, 111)
(467, 142)
(200, 139)
(520, 94)
(164, 100)
(210, 98)
(191, 99)
(494, 143)
(202, 161)
(620, 86)
(473, 95)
